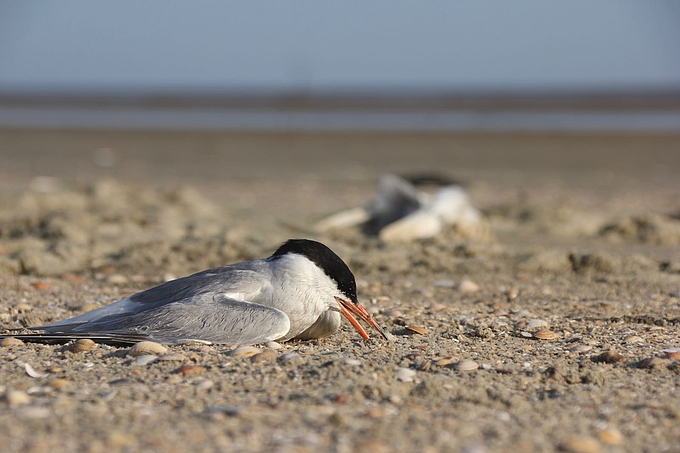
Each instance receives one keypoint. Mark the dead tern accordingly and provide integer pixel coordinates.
(300, 291)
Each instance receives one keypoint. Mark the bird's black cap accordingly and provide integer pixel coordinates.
(326, 259)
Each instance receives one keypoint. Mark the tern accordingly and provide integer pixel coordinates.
(300, 291)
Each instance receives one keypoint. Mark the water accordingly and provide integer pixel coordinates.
(270, 119)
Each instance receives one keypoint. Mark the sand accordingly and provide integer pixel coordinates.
(569, 308)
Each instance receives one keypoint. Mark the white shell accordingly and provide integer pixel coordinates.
(147, 348)
(245, 351)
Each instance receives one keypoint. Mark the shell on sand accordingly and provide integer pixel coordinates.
(83, 345)
(147, 348)
(245, 351)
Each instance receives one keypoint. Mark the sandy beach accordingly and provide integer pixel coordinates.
(559, 330)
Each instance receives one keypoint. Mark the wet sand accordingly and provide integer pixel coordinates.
(585, 244)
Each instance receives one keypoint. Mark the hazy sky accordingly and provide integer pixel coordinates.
(317, 45)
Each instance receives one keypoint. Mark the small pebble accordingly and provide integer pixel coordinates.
(34, 413)
(581, 444)
(245, 351)
(352, 362)
(468, 286)
(59, 383)
(172, 357)
(445, 283)
(147, 348)
(405, 374)
(610, 436)
(16, 398)
(652, 363)
(190, 369)
(287, 357)
(274, 345)
(41, 286)
(205, 384)
(117, 279)
(610, 356)
(267, 354)
(580, 348)
(144, 359)
(466, 365)
(11, 341)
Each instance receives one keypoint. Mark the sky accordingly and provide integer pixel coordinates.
(483, 45)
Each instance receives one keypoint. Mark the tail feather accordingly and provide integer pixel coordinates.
(113, 339)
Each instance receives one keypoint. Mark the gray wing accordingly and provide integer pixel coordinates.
(210, 317)
(212, 306)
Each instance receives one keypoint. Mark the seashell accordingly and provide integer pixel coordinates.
(673, 355)
(444, 361)
(466, 365)
(537, 324)
(83, 345)
(16, 397)
(172, 357)
(147, 348)
(274, 345)
(405, 374)
(633, 339)
(34, 374)
(11, 341)
(468, 286)
(415, 330)
(580, 348)
(545, 334)
(144, 359)
(610, 356)
(245, 351)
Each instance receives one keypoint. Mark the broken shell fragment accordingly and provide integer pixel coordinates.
(416, 330)
(83, 345)
(147, 348)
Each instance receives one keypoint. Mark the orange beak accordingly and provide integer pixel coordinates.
(350, 308)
